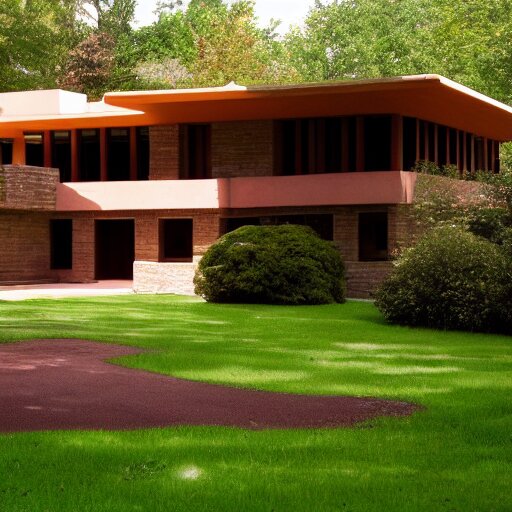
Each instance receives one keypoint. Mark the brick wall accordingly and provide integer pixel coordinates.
(24, 246)
(206, 230)
(164, 150)
(242, 148)
(28, 188)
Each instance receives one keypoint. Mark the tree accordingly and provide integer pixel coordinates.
(89, 66)
(34, 36)
(466, 40)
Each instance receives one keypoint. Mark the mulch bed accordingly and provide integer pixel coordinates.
(66, 384)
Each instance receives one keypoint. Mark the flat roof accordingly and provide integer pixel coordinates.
(430, 97)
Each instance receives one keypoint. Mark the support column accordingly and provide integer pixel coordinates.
(18, 150)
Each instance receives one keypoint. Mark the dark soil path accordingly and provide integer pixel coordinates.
(65, 384)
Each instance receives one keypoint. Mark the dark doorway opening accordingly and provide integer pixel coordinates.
(61, 244)
(115, 249)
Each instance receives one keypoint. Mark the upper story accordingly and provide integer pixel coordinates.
(304, 145)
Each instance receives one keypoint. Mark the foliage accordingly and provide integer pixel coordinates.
(90, 65)
(271, 265)
(216, 42)
(162, 74)
(34, 37)
(451, 279)
(467, 41)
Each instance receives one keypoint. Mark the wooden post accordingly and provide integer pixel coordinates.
(18, 150)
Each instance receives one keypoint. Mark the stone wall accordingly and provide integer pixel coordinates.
(28, 188)
(242, 148)
(158, 277)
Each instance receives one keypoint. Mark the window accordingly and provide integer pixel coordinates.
(377, 143)
(373, 236)
(176, 239)
(310, 146)
(89, 155)
(118, 154)
(34, 149)
(195, 154)
(409, 146)
(61, 244)
(61, 154)
(5, 151)
(142, 153)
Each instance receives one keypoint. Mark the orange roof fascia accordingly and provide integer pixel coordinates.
(430, 97)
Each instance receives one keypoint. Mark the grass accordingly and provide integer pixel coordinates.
(453, 456)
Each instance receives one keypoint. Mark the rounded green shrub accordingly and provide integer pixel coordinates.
(285, 264)
(452, 279)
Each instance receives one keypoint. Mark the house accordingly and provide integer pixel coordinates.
(139, 185)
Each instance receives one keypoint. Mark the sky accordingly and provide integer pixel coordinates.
(290, 12)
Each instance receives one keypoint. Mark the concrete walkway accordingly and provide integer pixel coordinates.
(61, 290)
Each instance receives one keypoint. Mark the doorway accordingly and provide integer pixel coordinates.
(115, 249)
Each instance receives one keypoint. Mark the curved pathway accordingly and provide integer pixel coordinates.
(66, 384)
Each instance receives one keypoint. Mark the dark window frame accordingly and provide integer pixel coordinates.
(373, 236)
(165, 244)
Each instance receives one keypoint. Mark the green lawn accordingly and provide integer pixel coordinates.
(453, 456)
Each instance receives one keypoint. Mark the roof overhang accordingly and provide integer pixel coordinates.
(429, 97)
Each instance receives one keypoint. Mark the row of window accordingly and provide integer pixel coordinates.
(123, 153)
(442, 145)
(353, 143)
(301, 146)
(176, 236)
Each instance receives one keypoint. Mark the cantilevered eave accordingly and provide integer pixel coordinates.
(98, 115)
(430, 97)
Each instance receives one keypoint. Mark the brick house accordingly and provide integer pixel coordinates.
(139, 185)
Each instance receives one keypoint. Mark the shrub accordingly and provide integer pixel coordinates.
(452, 279)
(285, 264)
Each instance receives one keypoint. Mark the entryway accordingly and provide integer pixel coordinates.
(115, 249)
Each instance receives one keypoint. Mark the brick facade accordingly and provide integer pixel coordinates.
(25, 247)
(28, 188)
(164, 152)
(206, 231)
(243, 148)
